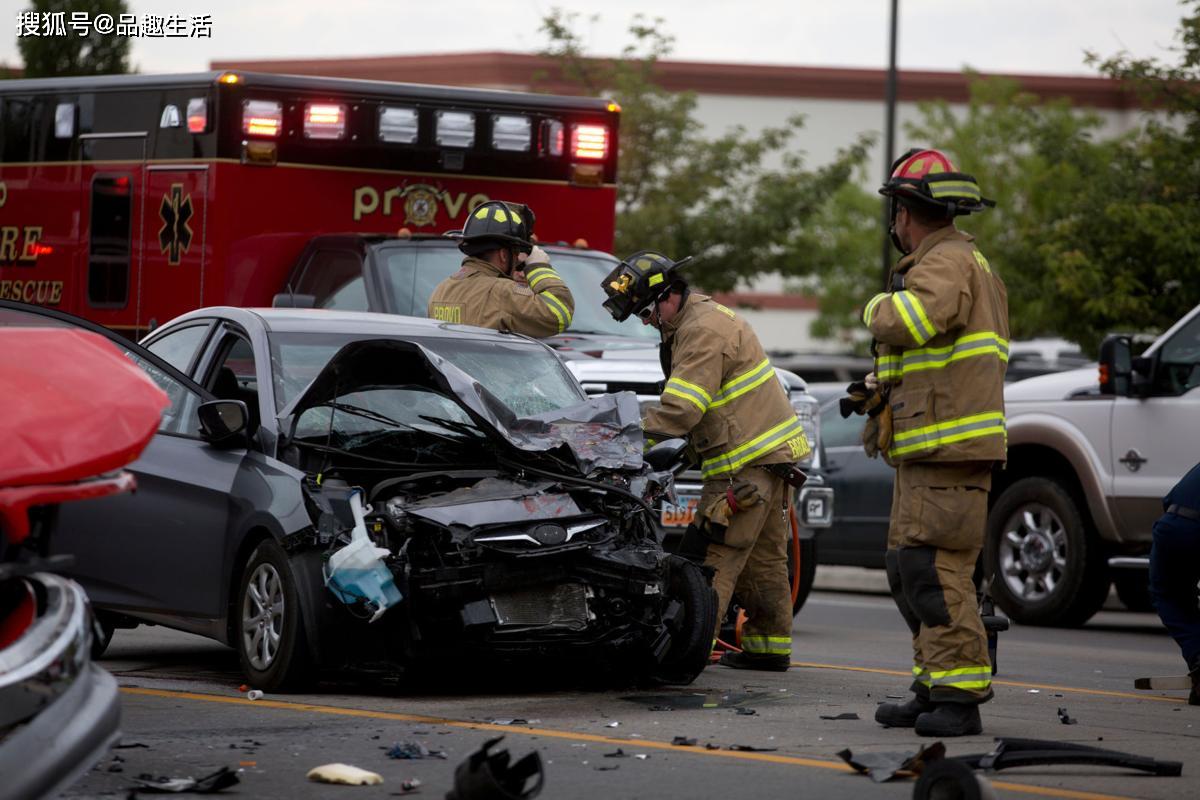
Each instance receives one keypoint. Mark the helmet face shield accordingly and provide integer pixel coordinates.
(639, 281)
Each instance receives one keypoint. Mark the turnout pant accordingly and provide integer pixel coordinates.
(939, 514)
(750, 559)
(1174, 572)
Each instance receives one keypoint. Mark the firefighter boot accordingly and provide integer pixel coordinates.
(903, 715)
(769, 662)
(950, 719)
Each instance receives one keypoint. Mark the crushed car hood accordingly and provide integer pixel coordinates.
(602, 432)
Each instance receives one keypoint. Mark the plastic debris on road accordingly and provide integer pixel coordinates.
(413, 750)
(883, 767)
(485, 775)
(843, 715)
(344, 774)
(1065, 718)
(209, 784)
(683, 741)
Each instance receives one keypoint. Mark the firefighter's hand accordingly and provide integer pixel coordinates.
(535, 257)
(871, 381)
(518, 275)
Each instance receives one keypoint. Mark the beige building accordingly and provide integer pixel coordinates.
(837, 104)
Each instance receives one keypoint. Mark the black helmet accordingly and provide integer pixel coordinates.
(643, 278)
(497, 224)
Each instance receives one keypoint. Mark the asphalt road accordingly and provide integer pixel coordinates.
(181, 701)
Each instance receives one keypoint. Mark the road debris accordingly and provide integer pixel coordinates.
(209, 784)
(641, 756)
(1065, 718)
(883, 767)
(408, 786)
(413, 750)
(484, 775)
(618, 754)
(745, 712)
(683, 741)
(344, 774)
(508, 721)
(748, 748)
(254, 694)
(613, 724)
(608, 768)
(123, 745)
(1009, 752)
(843, 715)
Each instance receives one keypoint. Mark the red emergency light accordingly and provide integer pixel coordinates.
(325, 121)
(589, 142)
(262, 118)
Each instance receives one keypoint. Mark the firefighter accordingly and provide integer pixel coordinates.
(941, 336)
(1175, 571)
(506, 282)
(722, 392)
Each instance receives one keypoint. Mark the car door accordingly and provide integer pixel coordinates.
(863, 488)
(1156, 439)
(161, 549)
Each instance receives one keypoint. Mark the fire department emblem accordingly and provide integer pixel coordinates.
(420, 205)
(175, 235)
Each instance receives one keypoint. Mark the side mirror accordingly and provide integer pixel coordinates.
(1116, 365)
(222, 420)
(666, 455)
(291, 300)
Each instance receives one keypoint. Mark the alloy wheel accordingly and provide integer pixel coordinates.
(1033, 552)
(262, 616)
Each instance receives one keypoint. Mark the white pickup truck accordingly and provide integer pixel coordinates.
(1091, 453)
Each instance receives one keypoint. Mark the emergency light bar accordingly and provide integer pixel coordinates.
(325, 121)
(262, 117)
(552, 138)
(398, 125)
(511, 132)
(589, 142)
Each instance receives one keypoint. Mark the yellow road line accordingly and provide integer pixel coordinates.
(1018, 684)
(649, 744)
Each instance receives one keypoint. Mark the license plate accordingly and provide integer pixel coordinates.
(679, 516)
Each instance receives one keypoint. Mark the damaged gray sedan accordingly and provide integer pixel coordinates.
(343, 491)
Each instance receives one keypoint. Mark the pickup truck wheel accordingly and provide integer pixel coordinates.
(1046, 568)
(269, 631)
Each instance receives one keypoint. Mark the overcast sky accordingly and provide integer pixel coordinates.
(1024, 36)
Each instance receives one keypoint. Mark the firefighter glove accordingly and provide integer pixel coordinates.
(740, 495)
(537, 257)
(861, 399)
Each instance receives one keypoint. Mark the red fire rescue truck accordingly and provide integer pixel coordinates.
(131, 199)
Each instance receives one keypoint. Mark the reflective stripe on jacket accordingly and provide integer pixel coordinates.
(943, 349)
(722, 391)
(480, 294)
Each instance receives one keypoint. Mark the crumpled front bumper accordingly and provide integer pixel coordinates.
(59, 712)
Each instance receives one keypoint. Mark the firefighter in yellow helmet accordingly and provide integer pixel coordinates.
(506, 282)
(941, 337)
(722, 392)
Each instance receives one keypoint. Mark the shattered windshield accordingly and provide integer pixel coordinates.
(527, 378)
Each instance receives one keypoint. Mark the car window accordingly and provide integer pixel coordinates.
(178, 348)
(583, 275)
(233, 375)
(528, 378)
(838, 432)
(335, 279)
(1179, 359)
(180, 417)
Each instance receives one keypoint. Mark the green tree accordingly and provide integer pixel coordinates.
(719, 199)
(93, 54)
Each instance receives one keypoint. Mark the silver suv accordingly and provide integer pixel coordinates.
(1088, 465)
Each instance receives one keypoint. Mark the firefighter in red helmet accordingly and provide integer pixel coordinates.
(941, 334)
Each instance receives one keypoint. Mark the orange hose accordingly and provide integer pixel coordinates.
(795, 553)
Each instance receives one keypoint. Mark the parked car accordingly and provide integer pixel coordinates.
(857, 535)
(59, 712)
(453, 487)
(1089, 464)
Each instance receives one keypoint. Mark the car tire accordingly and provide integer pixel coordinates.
(806, 551)
(691, 637)
(268, 624)
(102, 634)
(1133, 589)
(1046, 567)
